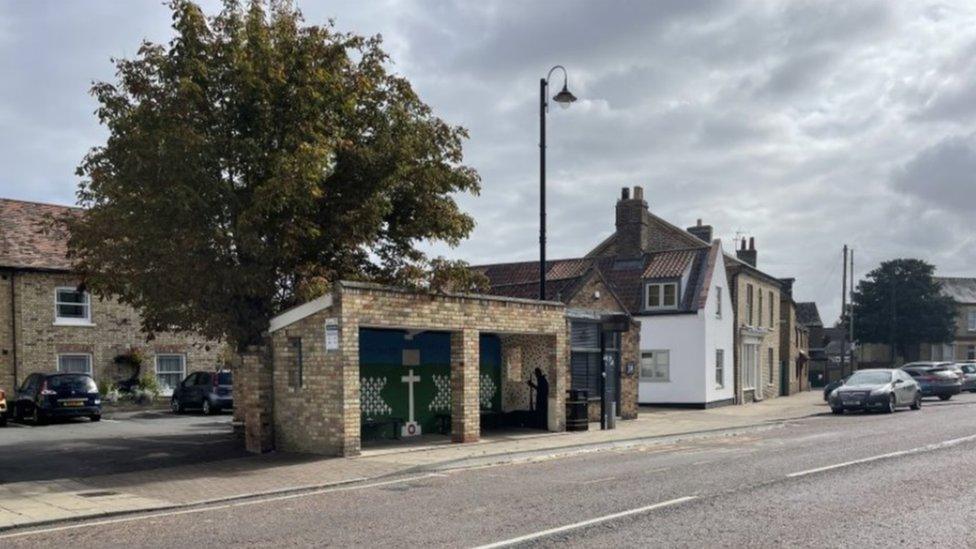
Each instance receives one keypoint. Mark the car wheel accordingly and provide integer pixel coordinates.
(945, 397)
(96, 417)
(917, 403)
(891, 405)
(3, 420)
(837, 411)
(176, 406)
(18, 413)
(207, 410)
(38, 417)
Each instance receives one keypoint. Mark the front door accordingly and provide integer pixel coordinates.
(784, 378)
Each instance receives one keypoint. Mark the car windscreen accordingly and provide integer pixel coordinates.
(225, 378)
(869, 378)
(83, 384)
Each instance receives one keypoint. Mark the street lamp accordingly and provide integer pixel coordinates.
(564, 98)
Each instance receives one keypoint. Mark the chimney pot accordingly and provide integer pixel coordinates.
(747, 255)
(638, 193)
(625, 194)
(699, 222)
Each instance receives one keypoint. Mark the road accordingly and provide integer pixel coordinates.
(142, 441)
(855, 480)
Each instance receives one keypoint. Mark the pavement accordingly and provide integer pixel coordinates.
(861, 480)
(153, 461)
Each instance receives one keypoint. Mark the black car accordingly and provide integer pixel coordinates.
(879, 389)
(44, 397)
(209, 392)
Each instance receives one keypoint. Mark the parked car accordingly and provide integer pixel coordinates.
(878, 389)
(935, 378)
(969, 376)
(829, 388)
(209, 392)
(44, 397)
(3, 408)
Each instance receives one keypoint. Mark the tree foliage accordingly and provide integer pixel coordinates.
(900, 303)
(253, 161)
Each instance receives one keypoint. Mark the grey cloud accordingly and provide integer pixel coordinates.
(797, 122)
(943, 175)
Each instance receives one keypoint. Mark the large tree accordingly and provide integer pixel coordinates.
(900, 304)
(253, 161)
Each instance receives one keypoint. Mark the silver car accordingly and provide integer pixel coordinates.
(878, 389)
(969, 376)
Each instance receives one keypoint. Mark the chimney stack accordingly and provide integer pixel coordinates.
(747, 255)
(633, 229)
(703, 232)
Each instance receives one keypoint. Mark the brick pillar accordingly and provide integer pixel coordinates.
(559, 384)
(254, 393)
(350, 410)
(465, 407)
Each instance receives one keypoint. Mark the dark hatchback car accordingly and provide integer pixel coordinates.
(878, 389)
(829, 388)
(209, 392)
(44, 397)
(935, 379)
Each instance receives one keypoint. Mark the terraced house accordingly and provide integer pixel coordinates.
(48, 323)
(756, 296)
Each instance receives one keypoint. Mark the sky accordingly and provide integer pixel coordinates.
(807, 125)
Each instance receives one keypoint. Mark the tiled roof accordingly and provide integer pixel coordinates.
(669, 264)
(807, 314)
(961, 290)
(625, 278)
(29, 239)
(504, 274)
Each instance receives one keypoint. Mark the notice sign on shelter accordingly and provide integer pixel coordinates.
(332, 334)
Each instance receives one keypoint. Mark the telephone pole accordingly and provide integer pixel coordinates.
(843, 315)
(850, 320)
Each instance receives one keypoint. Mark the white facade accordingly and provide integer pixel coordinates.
(692, 340)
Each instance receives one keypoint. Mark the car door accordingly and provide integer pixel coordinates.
(25, 395)
(204, 384)
(188, 390)
(904, 392)
(912, 388)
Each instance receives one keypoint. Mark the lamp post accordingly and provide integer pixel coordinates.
(564, 98)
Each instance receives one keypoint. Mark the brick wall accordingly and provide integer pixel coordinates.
(115, 329)
(6, 333)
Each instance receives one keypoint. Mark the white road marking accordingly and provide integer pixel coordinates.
(598, 480)
(585, 523)
(927, 448)
(217, 507)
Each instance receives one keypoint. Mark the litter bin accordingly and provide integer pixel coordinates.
(577, 415)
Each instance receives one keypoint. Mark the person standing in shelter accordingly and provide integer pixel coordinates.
(541, 387)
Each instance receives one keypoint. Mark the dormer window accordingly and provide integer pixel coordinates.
(72, 307)
(661, 295)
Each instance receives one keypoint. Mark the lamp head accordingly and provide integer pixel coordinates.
(564, 97)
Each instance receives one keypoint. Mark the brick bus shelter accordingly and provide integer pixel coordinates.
(367, 359)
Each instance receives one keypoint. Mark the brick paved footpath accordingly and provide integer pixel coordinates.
(40, 502)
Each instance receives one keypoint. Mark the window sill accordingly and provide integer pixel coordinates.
(85, 323)
(655, 381)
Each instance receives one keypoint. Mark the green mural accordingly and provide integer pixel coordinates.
(386, 384)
